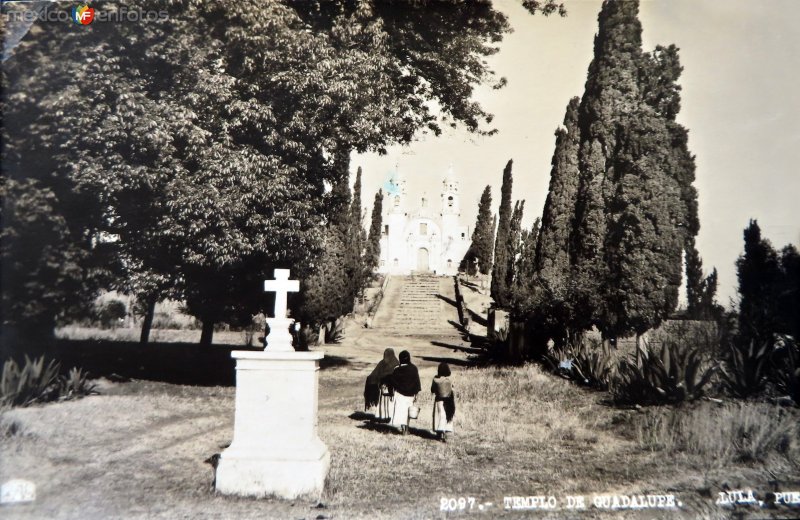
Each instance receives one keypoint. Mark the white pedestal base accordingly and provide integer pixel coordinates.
(290, 475)
(275, 449)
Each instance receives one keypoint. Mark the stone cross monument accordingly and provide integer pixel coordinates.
(279, 337)
(275, 449)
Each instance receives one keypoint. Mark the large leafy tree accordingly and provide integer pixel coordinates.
(45, 275)
(210, 138)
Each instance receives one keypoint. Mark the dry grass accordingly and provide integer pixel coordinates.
(137, 451)
(720, 436)
(223, 337)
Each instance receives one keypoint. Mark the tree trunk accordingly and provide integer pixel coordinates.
(490, 323)
(208, 333)
(642, 342)
(147, 324)
(516, 341)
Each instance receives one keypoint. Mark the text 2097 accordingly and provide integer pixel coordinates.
(456, 503)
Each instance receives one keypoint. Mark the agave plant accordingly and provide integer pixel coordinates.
(746, 369)
(787, 370)
(33, 383)
(671, 375)
(76, 384)
(592, 366)
(558, 360)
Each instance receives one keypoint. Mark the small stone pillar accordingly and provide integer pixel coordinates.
(275, 449)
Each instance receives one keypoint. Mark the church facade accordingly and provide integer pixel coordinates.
(422, 236)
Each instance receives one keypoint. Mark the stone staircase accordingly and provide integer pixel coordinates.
(411, 306)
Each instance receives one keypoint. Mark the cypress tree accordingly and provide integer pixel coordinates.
(644, 246)
(654, 210)
(525, 275)
(709, 309)
(492, 237)
(513, 246)
(373, 248)
(355, 239)
(661, 70)
(552, 255)
(611, 96)
(328, 292)
(789, 291)
(499, 288)
(636, 208)
(694, 282)
(700, 292)
(480, 250)
(759, 272)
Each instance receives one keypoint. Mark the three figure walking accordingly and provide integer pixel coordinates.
(392, 389)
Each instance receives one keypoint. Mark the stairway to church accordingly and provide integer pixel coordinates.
(412, 306)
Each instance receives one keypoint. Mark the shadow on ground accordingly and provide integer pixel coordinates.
(175, 363)
(370, 423)
(450, 361)
(477, 318)
(446, 299)
(458, 348)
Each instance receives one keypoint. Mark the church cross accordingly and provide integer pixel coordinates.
(281, 286)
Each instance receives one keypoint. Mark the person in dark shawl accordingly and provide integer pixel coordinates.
(405, 383)
(376, 392)
(444, 402)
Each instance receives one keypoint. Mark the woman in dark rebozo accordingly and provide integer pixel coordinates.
(405, 383)
(376, 392)
(444, 402)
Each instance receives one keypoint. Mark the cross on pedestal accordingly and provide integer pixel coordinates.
(276, 449)
(281, 286)
(280, 340)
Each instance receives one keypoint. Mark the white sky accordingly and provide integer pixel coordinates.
(740, 103)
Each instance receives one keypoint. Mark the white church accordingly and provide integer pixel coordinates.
(423, 236)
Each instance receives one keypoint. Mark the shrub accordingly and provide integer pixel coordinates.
(110, 312)
(672, 375)
(35, 382)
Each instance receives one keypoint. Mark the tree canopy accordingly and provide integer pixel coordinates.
(621, 207)
(211, 137)
(500, 289)
(480, 250)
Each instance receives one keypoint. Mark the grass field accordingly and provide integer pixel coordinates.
(137, 450)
